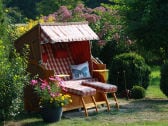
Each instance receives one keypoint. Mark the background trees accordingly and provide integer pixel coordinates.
(146, 22)
(33, 8)
(96, 3)
(45, 7)
(21, 9)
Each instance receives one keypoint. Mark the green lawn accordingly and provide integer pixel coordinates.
(153, 90)
(151, 111)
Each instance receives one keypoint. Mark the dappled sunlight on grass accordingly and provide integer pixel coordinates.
(155, 76)
(155, 71)
(153, 90)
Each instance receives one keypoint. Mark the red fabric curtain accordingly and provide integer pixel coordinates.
(81, 52)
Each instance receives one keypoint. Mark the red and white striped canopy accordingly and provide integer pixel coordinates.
(67, 32)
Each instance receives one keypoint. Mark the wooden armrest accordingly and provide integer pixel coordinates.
(104, 70)
(101, 75)
(62, 75)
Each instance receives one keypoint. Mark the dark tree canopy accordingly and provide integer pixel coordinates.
(33, 8)
(26, 7)
(147, 22)
(96, 3)
(46, 7)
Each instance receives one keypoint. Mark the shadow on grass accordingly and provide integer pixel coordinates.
(27, 115)
(28, 119)
(36, 123)
(155, 105)
(130, 106)
(151, 101)
(137, 109)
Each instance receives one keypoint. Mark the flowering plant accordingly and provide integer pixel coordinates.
(50, 92)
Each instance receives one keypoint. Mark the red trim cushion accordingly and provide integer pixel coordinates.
(103, 87)
(75, 87)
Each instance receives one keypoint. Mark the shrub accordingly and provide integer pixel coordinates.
(137, 92)
(13, 76)
(13, 73)
(164, 79)
(115, 47)
(128, 69)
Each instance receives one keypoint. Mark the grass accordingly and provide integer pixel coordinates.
(133, 113)
(151, 111)
(153, 90)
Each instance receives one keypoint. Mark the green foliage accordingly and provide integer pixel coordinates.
(2, 20)
(13, 73)
(45, 7)
(13, 77)
(22, 9)
(96, 3)
(156, 58)
(137, 92)
(115, 47)
(128, 69)
(146, 22)
(164, 79)
(113, 40)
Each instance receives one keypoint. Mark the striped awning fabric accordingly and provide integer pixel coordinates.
(67, 32)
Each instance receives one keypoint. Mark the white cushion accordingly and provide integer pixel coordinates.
(80, 71)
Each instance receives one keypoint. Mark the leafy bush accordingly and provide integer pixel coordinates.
(13, 76)
(137, 92)
(115, 47)
(13, 73)
(128, 69)
(164, 79)
(143, 23)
